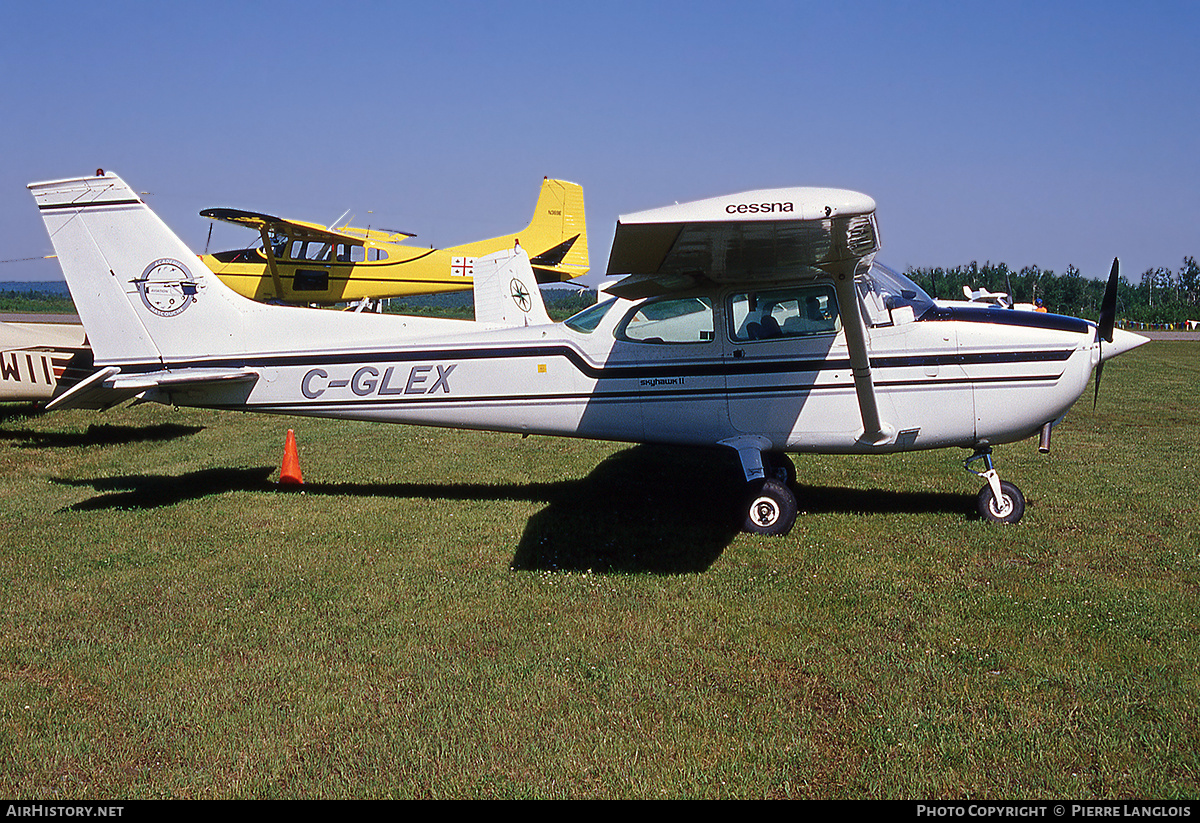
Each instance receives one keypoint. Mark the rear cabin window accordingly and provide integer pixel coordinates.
(673, 320)
(794, 312)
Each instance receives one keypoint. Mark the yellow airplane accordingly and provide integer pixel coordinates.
(306, 263)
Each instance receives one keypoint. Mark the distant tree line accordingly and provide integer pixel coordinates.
(561, 303)
(1161, 297)
(34, 301)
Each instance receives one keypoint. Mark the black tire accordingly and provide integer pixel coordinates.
(780, 466)
(1010, 508)
(769, 508)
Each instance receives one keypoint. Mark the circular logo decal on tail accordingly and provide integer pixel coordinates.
(520, 294)
(167, 287)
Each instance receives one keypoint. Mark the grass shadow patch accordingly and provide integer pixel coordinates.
(100, 435)
(655, 509)
(645, 509)
(150, 491)
(19, 411)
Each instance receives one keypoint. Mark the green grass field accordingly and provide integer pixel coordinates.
(450, 615)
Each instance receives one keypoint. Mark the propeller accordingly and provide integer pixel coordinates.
(1108, 317)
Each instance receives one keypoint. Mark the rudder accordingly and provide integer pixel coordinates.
(558, 233)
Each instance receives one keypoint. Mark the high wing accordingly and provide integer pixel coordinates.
(259, 221)
(759, 237)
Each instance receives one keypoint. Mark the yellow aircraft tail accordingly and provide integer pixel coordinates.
(555, 239)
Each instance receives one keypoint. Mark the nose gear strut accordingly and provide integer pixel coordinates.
(999, 501)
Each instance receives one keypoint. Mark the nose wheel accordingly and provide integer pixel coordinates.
(999, 501)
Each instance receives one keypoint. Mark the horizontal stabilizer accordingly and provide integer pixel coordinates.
(108, 387)
(92, 393)
(24, 335)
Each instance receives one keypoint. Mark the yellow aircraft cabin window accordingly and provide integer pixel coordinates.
(310, 250)
(278, 242)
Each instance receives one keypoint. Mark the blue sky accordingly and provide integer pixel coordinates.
(1047, 133)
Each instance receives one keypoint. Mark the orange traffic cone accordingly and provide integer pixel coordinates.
(289, 472)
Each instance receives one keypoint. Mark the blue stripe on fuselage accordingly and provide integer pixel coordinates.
(1009, 317)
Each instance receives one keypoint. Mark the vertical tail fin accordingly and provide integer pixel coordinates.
(556, 236)
(506, 290)
(142, 295)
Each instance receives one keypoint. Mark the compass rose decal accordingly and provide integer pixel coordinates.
(520, 294)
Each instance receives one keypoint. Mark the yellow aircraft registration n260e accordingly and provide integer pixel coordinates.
(758, 322)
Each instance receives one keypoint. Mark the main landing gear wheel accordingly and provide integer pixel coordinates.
(770, 508)
(1007, 510)
(779, 465)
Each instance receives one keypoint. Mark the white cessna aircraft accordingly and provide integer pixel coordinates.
(755, 321)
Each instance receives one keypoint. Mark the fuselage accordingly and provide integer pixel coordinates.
(691, 369)
(791, 338)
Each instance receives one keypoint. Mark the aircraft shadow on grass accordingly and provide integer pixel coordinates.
(18, 411)
(152, 491)
(102, 435)
(654, 509)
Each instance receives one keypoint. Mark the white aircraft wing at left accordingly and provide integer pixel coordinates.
(38, 360)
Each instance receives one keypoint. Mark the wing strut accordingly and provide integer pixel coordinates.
(269, 251)
(874, 431)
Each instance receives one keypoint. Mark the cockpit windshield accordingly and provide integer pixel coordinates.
(890, 290)
(587, 320)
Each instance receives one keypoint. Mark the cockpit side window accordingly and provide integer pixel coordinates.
(670, 320)
(799, 311)
(278, 240)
